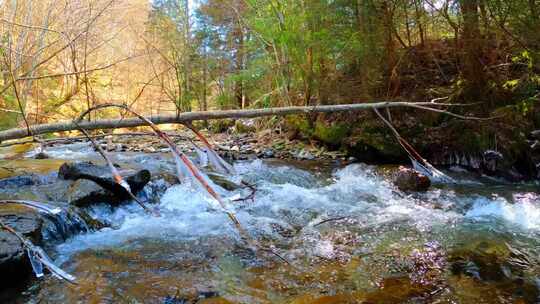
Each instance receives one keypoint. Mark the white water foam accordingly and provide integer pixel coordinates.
(75, 151)
(523, 211)
(290, 198)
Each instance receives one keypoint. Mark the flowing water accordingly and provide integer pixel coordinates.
(346, 233)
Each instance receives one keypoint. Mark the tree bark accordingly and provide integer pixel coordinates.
(210, 115)
(472, 67)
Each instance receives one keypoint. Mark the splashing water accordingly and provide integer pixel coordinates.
(349, 234)
(523, 210)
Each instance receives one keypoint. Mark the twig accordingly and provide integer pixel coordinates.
(116, 176)
(196, 173)
(65, 46)
(38, 253)
(330, 220)
(415, 157)
(35, 205)
(33, 27)
(250, 196)
(428, 108)
(16, 91)
(174, 149)
(79, 72)
(218, 163)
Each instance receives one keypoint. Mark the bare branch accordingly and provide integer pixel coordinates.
(79, 72)
(33, 27)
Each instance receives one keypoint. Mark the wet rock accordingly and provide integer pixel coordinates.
(41, 155)
(491, 158)
(149, 150)
(535, 134)
(201, 296)
(18, 181)
(13, 260)
(496, 262)
(304, 155)
(84, 193)
(491, 163)
(175, 300)
(267, 153)
(77, 170)
(407, 179)
(223, 182)
(207, 295)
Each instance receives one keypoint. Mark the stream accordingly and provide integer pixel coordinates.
(348, 235)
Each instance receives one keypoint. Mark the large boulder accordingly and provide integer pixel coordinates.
(407, 179)
(13, 260)
(94, 183)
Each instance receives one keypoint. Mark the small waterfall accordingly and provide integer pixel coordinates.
(63, 225)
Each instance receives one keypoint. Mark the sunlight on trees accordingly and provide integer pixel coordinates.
(178, 55)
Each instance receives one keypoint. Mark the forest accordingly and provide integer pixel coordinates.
(270, 151)
(177, 56)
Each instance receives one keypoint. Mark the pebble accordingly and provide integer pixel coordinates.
(303, 154)
(244, 146)
(268, 153)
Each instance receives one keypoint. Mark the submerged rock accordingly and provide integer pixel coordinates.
(407, 179)
(94, 184)
(175, 300)
(488, 261)
(18, 181)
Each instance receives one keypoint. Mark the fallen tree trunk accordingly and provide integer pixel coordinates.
(211, 115)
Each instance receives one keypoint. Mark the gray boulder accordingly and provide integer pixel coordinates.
(94, 184)
(13, 260)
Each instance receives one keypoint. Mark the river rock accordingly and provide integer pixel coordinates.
(407, 179)
(94, 184)
(491, 160)
(41, 155)
(304, 155)
(14, 265)
(535, 146)
(18, 181)
(267, 153)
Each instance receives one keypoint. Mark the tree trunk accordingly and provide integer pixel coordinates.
(211, 115)
(239, 65)
(389, 45)
(185, 98)
(472, 69)
(419, 22)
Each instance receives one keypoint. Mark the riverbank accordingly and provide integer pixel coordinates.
(367, 143)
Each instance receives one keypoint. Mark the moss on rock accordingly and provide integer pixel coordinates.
(331, 134)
